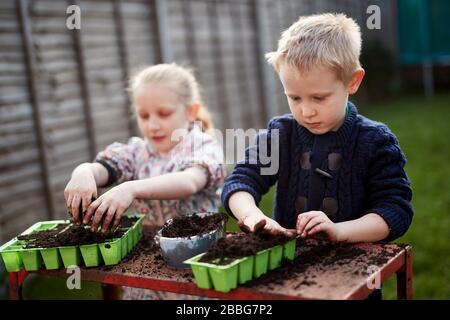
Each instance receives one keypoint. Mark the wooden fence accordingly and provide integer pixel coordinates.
(62, 96)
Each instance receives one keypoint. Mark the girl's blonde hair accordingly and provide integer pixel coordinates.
(328, 39)
(180, 79)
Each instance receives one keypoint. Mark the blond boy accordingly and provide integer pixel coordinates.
(340, 174)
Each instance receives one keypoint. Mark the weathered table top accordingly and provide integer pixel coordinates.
(321, 270)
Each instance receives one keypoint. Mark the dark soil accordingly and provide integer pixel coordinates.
(319, 265)
(44, 234)
(317, 256)
(126, 222)
(71, 235)
(194, 225)
(146, 260)
(240, 245)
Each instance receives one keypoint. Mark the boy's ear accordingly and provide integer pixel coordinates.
(356, 81)
(193, 111)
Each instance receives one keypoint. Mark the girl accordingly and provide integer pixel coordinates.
(176, 168)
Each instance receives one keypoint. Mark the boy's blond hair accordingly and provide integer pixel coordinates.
(331, 40)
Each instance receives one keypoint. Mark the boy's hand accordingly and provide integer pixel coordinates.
(258, 223)
(313, 222)
(110, 206)
(79, 193)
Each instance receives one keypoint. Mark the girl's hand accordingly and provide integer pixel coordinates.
(312, 222)
(79, 193)
(111, 205)
(261, 223)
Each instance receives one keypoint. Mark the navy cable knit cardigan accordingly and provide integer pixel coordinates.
(361, 165)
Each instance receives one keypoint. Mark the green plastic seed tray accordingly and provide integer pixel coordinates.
(91, 255)
(240, 271)
(71, 256)
(289, 249)
(135, 235)
(111, 251)
(200, 270)
(223, 278)
(32, 259)
(261, 263)
(10, 255)
(52, 258)
(16, 257)
(246, 269)
(137, 228)
(275, 256)
(130, 239)
(125, 245)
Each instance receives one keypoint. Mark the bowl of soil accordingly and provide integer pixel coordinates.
(186, 236)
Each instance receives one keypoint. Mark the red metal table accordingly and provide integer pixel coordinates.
(320, 271)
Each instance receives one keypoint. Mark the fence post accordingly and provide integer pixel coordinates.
(162, 18)
(265, 80)
(123, 56)
(30, 63)
(211, 7)
(247, 114)
(190, 34)
(82, 77)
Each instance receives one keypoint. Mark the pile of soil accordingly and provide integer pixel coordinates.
(126, 222)
(44, 234)
(240, 245)
(314, 257)
(146, 260)
(193, 225)
(73, 235)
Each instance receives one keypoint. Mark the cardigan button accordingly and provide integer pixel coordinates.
(305, 161)
(329, 206)
(323, 173)
(300, 204)
(334, 161)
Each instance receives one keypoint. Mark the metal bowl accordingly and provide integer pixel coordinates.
(177, 250)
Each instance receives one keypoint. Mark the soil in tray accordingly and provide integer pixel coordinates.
(240, 245)
(72, 236)
(126, 222)
(146, 260)
(317, 256)
(194, 225)
(44, 234)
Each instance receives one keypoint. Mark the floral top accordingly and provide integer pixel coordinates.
(139, 160)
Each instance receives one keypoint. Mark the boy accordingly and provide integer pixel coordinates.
(340, 173)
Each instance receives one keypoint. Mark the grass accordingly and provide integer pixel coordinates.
(421, 125)
(422, 129)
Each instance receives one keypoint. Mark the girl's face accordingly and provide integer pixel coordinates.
(160, 111)
(317, 98)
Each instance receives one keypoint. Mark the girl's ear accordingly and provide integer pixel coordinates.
(193, 111)
(356, 81)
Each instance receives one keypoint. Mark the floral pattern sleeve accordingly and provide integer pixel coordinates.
(206, 154)
(121, 160)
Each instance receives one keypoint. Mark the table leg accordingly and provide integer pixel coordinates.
(110, 291)
(405, 276)
(16, 280)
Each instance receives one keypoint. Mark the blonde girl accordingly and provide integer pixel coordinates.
(163, 173)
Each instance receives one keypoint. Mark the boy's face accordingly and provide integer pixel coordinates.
(317, 98)
(159, 112)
